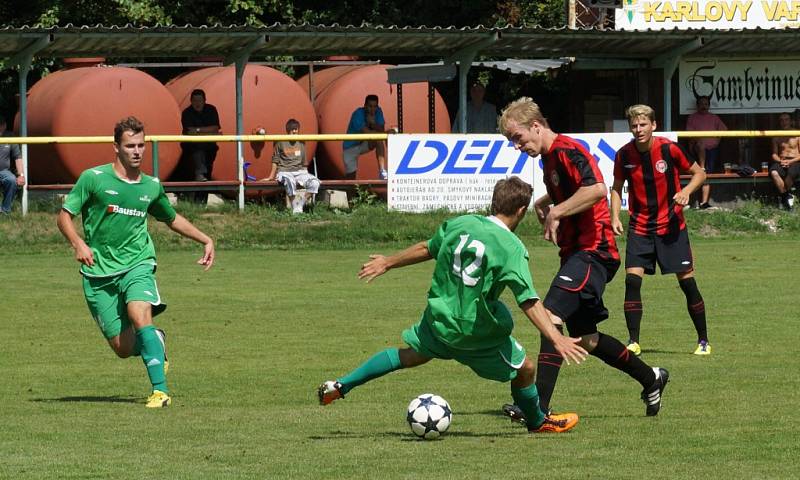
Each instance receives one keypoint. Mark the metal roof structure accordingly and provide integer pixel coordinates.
(305, 40)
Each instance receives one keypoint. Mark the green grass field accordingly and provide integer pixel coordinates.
(250, 340)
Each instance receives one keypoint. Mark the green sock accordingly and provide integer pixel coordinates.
(137, 347)
(153, 357)
(378, 365)
(527, 399)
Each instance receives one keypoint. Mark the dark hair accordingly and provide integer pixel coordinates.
(700, 97)
(510, 195)
(130, 124)
(370, 97)
(292, 124)
(198, 91)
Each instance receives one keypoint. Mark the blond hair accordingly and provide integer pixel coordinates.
(635, 111)
(523, 111)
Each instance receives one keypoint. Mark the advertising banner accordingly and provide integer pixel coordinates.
(707, 14)
(745, 85)
(458, 172)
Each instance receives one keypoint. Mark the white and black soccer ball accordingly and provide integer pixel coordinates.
(429, 416)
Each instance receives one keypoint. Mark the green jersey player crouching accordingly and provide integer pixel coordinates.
(477, 257)
(117, 255)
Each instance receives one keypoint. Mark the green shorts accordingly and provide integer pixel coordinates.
(499, 363)
(108, 297)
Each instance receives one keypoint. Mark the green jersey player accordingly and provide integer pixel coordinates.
(117, 256)
(477, 257)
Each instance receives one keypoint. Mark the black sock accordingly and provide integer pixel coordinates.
(633, 305)
(614, 353)
(548, 366)
(696, 307)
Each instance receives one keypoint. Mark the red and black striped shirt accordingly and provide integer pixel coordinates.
(568, 166)
(653, 179)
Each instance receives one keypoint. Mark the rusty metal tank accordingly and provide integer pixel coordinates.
(89, 101)
(340, 90)
(270, 98)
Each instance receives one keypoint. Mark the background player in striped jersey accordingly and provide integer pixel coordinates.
(574, 212)
(657, 231)
(117, 257)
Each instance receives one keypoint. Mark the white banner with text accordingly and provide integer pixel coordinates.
(744, 85)
(458, 172)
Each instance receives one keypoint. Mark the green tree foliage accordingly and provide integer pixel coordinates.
(402, 13)
(458, 13)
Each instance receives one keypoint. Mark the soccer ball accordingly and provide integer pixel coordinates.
(429, 416)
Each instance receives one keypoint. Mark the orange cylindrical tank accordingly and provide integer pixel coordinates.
(89, 101)
(340, 90)
(269, 98)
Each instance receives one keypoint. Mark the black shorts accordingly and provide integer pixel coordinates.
(672, 252)
(576, 294)
(792, 171)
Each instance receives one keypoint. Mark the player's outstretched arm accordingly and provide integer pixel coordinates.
(184, 227)
(379, 264)
(83, 253)
(568, 347)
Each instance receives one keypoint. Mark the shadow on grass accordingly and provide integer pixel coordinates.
(89, 399)
(410, 437)
(666, 352)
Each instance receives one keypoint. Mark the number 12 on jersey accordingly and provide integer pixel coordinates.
(458, 267)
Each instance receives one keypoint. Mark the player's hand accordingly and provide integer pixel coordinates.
(551, 228)
(541, 212)
(84, 255)
(376, 267)
(616, 226)
(681, 198)
(208, 256)
(570, 349)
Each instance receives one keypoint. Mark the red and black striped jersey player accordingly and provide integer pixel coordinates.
(657, 233)
(575, 215)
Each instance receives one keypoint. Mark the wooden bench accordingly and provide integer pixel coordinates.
(725, 178)
(324, 184)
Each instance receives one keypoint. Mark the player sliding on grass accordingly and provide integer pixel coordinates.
(118, 259)
(575, 216)
(476, 257)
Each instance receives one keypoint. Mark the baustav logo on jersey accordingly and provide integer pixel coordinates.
(131, 212)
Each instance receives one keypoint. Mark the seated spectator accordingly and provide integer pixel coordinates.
(706, 149)
(200, 118)
(366, 119)
(8, 180)
(785, 168)
(481, 116)
(290, 168)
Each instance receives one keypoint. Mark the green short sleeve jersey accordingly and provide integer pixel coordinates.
(114, 215)
(476, 259)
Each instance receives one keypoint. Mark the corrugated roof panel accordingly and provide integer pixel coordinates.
(367, 40)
